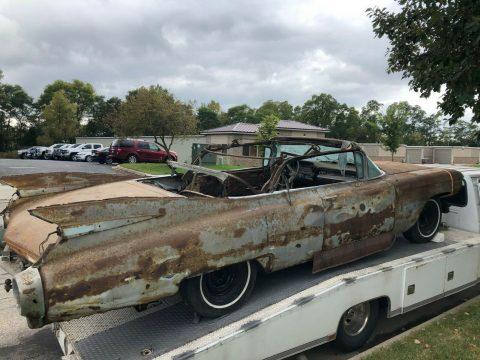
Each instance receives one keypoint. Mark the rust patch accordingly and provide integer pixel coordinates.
(239, 232)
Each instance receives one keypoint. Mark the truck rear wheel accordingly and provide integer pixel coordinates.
(221, 291)
(427, 224)
(357, 325)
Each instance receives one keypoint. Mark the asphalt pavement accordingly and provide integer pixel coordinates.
(19, 166)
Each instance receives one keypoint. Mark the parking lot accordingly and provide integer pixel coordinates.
(17, 166)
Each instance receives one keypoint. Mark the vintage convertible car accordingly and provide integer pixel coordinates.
(207, 233)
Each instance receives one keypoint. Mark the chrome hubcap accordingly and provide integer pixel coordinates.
(356, 318)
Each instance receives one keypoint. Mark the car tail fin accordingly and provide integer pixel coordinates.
(48, 183)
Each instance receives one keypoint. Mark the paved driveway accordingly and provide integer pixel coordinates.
(18, 166)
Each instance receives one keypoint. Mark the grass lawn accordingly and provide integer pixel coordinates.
(163, 169)
(457, 336)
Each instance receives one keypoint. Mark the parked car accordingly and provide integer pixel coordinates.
(134, 151)
(85, 152)
(101, 155)
(50, 150)
(207, 232)
(23, 153)
(34, 152)
(58, 151)
(69, 152)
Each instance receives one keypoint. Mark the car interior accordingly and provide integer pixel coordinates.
(285, 166)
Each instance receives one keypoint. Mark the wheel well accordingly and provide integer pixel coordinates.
(384, 303)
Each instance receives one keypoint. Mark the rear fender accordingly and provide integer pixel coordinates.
(49, 183)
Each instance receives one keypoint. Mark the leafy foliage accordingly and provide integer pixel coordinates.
(267, 129)
(154, 111)
(77, 92)
(435, 44)
(207, 118)
(393, 126)
(15, 113)
(281, 109)
(60, 120)
(103, 112)
(240, 113)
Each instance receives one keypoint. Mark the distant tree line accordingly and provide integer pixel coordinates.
(65, 110)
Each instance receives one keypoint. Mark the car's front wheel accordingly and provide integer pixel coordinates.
(427, 224)
(88, 158)
(357, 325)
(219, 292)
(132, 159)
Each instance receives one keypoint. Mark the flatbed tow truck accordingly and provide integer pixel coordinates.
(293, 310)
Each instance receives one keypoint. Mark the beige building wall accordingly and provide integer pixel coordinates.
(413, 154)
(377, 152)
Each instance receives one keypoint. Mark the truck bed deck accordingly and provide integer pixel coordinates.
(172, 330)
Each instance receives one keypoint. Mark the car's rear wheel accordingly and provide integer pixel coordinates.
(132, 159)
(88, 158)
(44, 156)
(427, 224)
(219, 292)
(357, 325)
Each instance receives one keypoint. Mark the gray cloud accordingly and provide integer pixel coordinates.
(234, 52)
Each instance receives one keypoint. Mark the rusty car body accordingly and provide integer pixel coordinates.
(90, 249)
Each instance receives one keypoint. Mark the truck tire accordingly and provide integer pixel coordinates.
(427, 224)
(219, 292)
(88, 158)
(357, 325)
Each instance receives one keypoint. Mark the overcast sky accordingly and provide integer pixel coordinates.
(231, 51)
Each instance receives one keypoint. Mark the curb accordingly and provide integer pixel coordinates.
(135, 172)
(404, 334)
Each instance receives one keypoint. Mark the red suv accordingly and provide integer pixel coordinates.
(134, 151)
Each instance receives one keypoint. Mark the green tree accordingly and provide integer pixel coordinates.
(319, 110)
(346, 123)
(393, 126)
(281, 109)
(421, 129)
(214, 106)
(462, 133)
(60, 123)
(155, 111)
(240, 113)
(103, 111)
(370, 117)
(435, 44)
(207, 118)
(16, 115)
(267, 129)
(78, 92)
